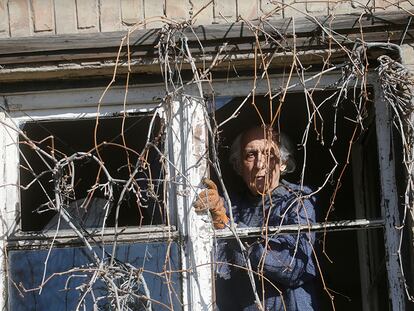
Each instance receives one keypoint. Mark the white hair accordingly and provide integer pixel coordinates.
(285, 149)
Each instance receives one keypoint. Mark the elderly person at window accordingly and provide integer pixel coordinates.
(260, 156)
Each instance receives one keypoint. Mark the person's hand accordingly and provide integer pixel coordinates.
(211, 200)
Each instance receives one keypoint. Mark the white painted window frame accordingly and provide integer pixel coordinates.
(187, 116)
(389, 200)
(59, 105)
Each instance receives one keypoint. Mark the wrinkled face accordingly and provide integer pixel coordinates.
(261, 165)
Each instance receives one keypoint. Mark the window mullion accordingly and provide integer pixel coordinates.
(389, 200)
(188, 139)
(330, 226)
(3, 206)
(9, 192)
(66, 237)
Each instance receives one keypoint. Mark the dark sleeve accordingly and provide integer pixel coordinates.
(287, 259)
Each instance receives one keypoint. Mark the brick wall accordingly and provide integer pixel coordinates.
(22, 18)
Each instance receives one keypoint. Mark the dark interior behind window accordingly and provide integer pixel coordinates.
(332, 129)
(141, 205)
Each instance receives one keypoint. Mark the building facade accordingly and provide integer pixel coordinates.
(113, 112)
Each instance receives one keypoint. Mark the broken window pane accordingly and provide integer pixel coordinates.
(68, 277)
(90, 181)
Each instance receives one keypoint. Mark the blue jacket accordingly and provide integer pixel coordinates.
(286, 261)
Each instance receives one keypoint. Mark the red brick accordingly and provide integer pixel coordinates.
(405, 4)
(131, 11)
(110, 17)
(65, 15)
(248, 9)
(205, 17)
(342, 7)
(43, 15)
(225, 11)
(19, 18)
(316, 6)
(87, 13)
(178, 10)
(380, 5)
(154, 8)
(292, 9)
(267, 7)
(4, 20)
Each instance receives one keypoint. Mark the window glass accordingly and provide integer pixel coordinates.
(64, 278)
(86, 192)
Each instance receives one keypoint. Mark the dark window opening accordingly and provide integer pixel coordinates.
(370, 242)
(330, 130)
(142, 203)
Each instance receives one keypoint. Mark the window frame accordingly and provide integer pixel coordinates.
(81, 100)
(193, 230)
(389, 198)
(88, 113)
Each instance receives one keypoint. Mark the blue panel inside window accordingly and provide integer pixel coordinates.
(222, 101)
(69, 280)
